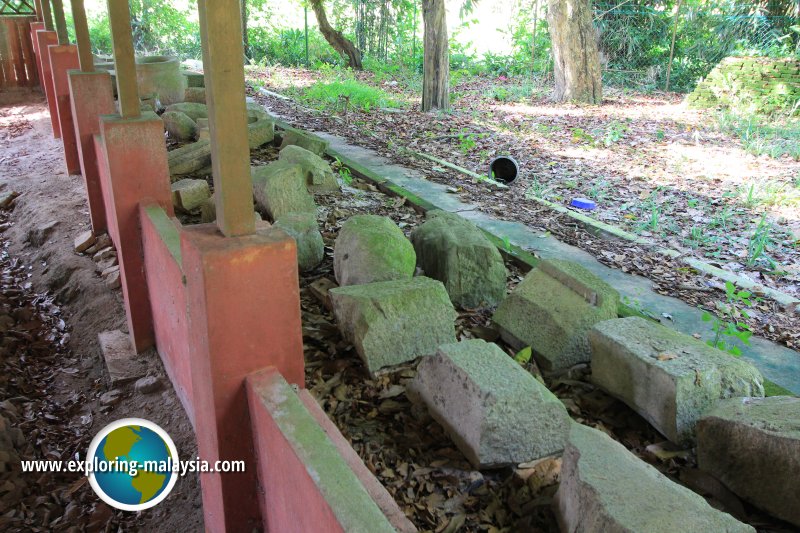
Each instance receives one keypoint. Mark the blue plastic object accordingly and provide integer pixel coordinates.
(583, 203)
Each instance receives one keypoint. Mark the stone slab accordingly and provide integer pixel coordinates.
(121, 360)
(393, 322)
(752, 445)
(302, 227)
(552, 311)
(372, 248)
(669, 378)
(319, 175)
(188, 194)
(280, 189)
(454, 251)
(605, 488)
(495, 411)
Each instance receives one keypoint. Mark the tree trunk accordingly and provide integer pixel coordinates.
(245, 38)
(335, 38)
(436, 63)
(575, 55)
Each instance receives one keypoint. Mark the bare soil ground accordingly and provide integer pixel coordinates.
(55, 374)
(653, 166)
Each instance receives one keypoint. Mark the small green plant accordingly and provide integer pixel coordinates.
(537, 189)
(579, 135)
(615, 131)
(758, 243)
(466, 142)
(599, 190)
(523, 357)
(729, 326)
(637, 306)
(506, 244)
(698, 237)
(722, 218)
(344, 173)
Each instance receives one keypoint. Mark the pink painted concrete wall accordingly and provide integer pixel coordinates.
(164, 277)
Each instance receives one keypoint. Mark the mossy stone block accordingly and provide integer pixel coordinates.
(552, 311)
(457, 253)
(669, 378)
(372, 248)
(393, 322)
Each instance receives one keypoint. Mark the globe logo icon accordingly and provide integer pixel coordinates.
(133, 463)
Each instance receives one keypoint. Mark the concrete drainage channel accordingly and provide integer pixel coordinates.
(494, 410)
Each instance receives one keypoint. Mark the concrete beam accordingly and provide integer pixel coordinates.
(221, 34)
(82, 36)
(61, 22)
(47, 15)
(119, 15)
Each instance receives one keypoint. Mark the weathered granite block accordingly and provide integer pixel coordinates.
(454, 251)
(279, 189)
(302, 227)
(496, 412)
(606, 489)
(192, 109)
(552, 311)
(188, 195)
(179, 126)
(372, 248)
(752, 445)
(392, 322)
(669, 378)
(319, 176)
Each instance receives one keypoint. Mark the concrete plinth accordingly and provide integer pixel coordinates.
(243, 309)
(44, 40)
(133, 167)
(36, 27)
(91, 97)
(64, 58)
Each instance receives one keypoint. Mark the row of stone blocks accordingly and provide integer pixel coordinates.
(497, 413)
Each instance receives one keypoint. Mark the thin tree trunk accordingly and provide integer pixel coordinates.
(335, 38)
(245, 38)
(436, 63)
(575, 55)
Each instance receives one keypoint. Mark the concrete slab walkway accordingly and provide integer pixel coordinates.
(777, 363)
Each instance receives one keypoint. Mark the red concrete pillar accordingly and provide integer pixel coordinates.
(35, 28)
(45, 40)
(63, 58)
(133, 167)
(91, 95)
(243, 306)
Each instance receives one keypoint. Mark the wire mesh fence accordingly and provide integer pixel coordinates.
(650, 47)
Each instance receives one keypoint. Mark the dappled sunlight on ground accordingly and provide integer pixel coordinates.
(654, 166)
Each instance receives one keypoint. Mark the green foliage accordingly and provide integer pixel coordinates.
(523, 357)
(759, 241)
(332, 95)
(774, 137)
(466, 142)
(615, 131)
(344, 172)
(728, 325)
